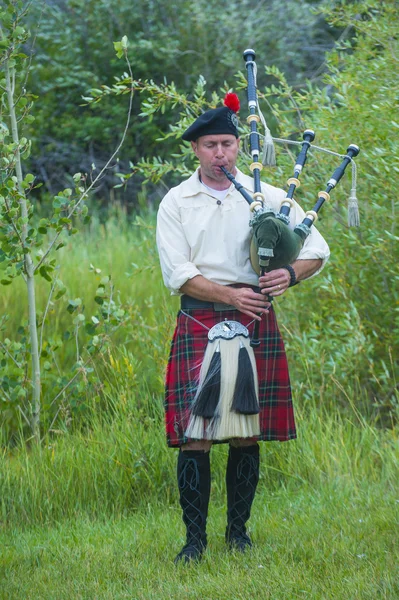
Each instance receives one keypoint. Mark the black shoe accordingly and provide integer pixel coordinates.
(242, 476)
(190, 553)
(194, 481)
(239, 541)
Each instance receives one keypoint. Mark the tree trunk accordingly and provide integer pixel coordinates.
(29, 267)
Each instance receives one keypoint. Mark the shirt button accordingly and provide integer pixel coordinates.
(218, 202)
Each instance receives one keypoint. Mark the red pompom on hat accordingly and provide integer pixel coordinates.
(232, 101)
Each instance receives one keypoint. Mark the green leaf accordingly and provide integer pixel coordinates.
(58, 201)
(90, 328)
(43, 226)
(60, 293)
(19, 31)
(73, 305)
(44, 273)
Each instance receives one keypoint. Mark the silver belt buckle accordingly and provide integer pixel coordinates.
(227, 330)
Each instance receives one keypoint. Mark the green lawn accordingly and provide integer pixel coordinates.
(338, 541)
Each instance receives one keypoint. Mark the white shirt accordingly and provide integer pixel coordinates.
(199, 234)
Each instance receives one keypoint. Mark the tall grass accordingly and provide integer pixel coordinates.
(330, 348)
(121, 463)
(95, 515)
(119, 248)
(112, 458)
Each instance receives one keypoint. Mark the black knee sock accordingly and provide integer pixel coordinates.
(242, 476)
(194, 482)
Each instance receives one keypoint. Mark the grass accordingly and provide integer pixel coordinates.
(338, 541)
(339, 366)
(122, 463)
(96, 516)
(93, 513)
(125, 251)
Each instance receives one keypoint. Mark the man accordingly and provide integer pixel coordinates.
(203, 240)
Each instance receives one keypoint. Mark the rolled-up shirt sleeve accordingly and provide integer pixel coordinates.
(173, 249)
(315, 245)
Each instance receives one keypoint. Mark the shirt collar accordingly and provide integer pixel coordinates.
(192, 186)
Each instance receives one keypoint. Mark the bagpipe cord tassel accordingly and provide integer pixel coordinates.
(268, 151)
(245, 399)
(353, 205)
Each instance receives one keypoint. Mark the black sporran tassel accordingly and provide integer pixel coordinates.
(208, 395)
(245, 400)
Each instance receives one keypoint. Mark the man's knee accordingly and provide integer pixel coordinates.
(243, 442)
(197, 445)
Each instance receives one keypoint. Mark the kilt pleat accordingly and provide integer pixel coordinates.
(187, 350)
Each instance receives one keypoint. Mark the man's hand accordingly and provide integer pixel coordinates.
(249, 302)
(243, 299)
(275, 283)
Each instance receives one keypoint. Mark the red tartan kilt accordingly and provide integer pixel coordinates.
(187, 350)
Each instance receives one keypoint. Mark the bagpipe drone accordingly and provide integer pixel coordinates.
(226, 403)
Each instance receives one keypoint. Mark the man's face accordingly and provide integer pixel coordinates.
(214, 151)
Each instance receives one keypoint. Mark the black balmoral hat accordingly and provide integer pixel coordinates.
(216, 121)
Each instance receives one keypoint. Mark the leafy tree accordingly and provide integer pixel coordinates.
(168, 42)
(28, 245)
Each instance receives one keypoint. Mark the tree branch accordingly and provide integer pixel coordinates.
(10, 355)
(85, 194)
(45, 314)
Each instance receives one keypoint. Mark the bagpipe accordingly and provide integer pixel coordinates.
(226, 402)
(274, 244)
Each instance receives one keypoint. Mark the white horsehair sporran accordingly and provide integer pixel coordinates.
(226, 403)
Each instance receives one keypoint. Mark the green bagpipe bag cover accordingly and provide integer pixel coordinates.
(273, 234)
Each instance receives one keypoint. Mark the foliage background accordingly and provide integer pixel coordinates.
(175, 42)
(341, 329)
(85, 505)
